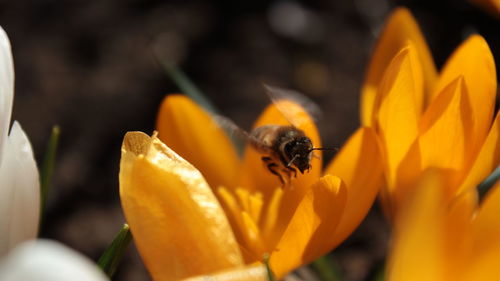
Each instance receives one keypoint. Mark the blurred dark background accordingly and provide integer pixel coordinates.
(89, 67)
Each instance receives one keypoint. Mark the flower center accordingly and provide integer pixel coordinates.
(254, 221)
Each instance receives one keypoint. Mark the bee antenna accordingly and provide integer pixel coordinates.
(325, 148)
(289, 164)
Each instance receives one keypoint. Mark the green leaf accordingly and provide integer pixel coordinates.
(327, 269)
(113, 255)
(270, 274)
(186, 85)
(189, 88)
(48, 168)
(488, 183)
(380, 275)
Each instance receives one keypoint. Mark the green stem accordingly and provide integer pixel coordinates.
(48, 168)
(488, 183)
(113, 255)
(270, 274)
(326, 269)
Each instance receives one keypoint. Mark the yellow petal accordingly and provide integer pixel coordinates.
(359, 166)
(487, 160)
(445, 131)
(400, 28)
(486, 224)
(309, 233)
(191, 132)
(418, 246)
(473, 60)
(177, 223)
(458, 242)
(256, 174)
(247, 273)
(492, 7)
(483, 267)
(401, 96)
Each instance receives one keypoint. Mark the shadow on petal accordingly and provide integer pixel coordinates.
(177, 223)
(309, 233)
(184, 126)
(359, 165)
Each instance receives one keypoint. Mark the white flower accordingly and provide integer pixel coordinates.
(45, 260)
(19, 182)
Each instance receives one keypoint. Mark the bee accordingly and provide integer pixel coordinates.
(284, 148)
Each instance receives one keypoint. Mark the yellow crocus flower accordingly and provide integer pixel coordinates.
(294, 225)
(430, 120)
(177, 223)
(438, 239)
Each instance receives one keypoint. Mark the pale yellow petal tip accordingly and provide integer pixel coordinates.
(136, 143)
(332, 183)
(155, 151)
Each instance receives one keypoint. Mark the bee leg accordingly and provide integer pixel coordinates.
(266, 159)
(273, 168)
(289, 171)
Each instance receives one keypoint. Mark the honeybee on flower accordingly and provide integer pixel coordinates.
(256, 215)
(285, 148)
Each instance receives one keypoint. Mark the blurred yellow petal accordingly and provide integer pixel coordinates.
(492, 7)
(401, 96)
(256, 174)
(359, 166)
(458, 239)
(400, 28)
(487, 224)
(247, 273)
(487, 160)
(484, 267)
(445, 131)
(190, 131)
(417, 251)
(177, 223)
(474, 62)
(309, 233)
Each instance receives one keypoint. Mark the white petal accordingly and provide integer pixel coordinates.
(19, 191)
(6, 87)
(45, 260)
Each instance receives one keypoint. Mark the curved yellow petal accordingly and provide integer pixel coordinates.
(486, 225)
(401, 103)
(474, 62)
(309, 233)
(359, 165)
(400, 28)
(446, 131)
(178, 225)
(417, 251)
(483, 267)
(492, 7)
(248, 273)
(485, 253)
(255, 174)
(487, 160)
(192, 133)
(459, 213)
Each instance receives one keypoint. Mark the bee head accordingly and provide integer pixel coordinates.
(299, 152)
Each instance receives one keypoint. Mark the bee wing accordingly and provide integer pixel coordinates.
(230, 127)
(276, 94)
